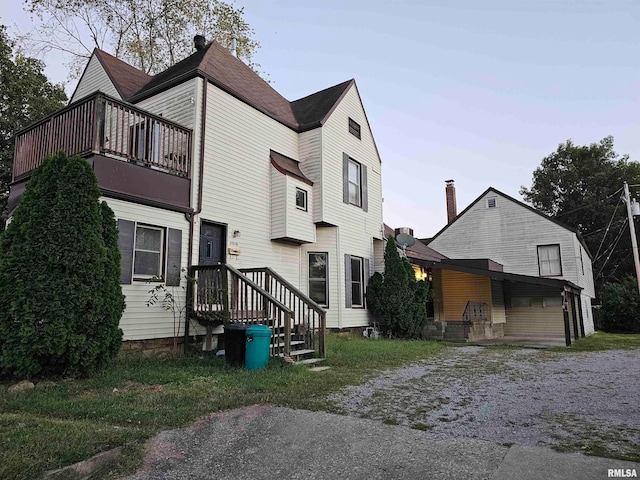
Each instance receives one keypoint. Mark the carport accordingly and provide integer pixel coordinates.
(490, 304)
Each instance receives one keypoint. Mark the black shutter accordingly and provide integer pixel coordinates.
(347, 281)
(365, 280)
(363, 181)
(126, 234)
(345, 178)
(174, 257)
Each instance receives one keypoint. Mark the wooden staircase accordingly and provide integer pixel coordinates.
(219, 295)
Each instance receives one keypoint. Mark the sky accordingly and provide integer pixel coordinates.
(475, 91)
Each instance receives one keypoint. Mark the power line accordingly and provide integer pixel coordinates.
(590, 205)
(608, 226)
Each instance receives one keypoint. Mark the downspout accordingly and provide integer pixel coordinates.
(191, 217)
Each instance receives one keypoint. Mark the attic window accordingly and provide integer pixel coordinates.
(492, 202)
(354, 128)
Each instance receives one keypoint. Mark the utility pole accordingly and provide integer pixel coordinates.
(632, 229)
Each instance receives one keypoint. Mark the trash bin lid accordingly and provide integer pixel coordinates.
(258, 331)
(236, 326)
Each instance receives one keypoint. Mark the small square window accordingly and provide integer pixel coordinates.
(301, 199)
(492, 202)
(354, 128)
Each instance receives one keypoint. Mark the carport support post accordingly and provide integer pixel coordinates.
(565, 314)
(574, 316)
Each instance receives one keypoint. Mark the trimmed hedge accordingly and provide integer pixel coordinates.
(61, 300)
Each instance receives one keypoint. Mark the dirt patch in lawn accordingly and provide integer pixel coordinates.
(584, 402)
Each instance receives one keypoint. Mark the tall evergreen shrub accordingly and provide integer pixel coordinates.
(60, 301)
(396, 298)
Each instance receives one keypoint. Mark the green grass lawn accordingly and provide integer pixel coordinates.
(603, 341)
(60, 423)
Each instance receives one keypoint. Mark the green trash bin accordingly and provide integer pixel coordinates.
(257, 350)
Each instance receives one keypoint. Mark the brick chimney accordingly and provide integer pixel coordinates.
(452, 209)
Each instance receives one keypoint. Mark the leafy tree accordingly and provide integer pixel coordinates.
(150, 34)
(581, 187)
(60, 301)
(25, 96)
(620, 306)
(396, 298)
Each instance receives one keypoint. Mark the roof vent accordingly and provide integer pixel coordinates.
(199, 42)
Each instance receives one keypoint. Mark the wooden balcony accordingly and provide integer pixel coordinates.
(118, 139)
(102, 125)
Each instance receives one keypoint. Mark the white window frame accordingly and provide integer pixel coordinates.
(355, 181)
(320, 279)
(492, 202)
(304, 196)
(159, 274)
(549, 265)
(359, 282)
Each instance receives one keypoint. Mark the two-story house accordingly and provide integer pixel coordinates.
(524, 273)
(267, 203)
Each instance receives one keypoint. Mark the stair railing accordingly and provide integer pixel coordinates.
(309, 319)
(220, 294)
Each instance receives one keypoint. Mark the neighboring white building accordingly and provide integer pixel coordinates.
(206, 162)
(539, 260)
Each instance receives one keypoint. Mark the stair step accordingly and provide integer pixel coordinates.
(300, 353)
(310, 361)
(293, 343)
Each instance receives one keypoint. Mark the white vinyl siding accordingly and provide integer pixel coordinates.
(140, 322)
(510, 235)
(237, 182)
(311, 164)
(327, 241)
(357, 228)
(336, 143)
(177, 104)
(287, 220)
(94, 78)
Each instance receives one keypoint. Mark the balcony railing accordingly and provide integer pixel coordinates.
(103, 125)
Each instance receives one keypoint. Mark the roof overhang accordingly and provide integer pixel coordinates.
(495, 272)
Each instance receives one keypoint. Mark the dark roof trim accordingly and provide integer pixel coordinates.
(288, 166)
(513, 277)
(132, 73)
(522, 204)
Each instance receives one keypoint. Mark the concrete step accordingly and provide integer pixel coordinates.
(310, 361)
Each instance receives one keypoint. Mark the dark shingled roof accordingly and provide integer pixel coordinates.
(313, 110)
(419, 250)
(288, 166)
(127, 79)
(216, 64)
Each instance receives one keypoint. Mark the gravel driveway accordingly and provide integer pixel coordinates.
(587, 402)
